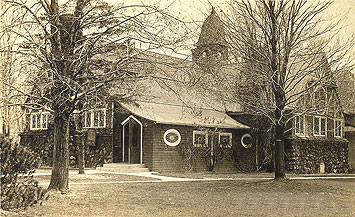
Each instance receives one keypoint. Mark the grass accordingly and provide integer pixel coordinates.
(201, 198)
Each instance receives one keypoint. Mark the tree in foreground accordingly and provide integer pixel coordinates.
(79, 50)
(284, 50)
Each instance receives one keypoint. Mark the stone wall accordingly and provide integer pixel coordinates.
(41, 143)
(306, 155)
(351, 138)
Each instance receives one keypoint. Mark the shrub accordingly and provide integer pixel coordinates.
(18, 188)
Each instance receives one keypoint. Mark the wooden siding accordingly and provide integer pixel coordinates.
(166, 158)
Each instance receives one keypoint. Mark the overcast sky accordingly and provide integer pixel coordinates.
(198, 10)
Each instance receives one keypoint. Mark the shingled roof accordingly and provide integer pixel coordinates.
(167, 96)
(183, 115)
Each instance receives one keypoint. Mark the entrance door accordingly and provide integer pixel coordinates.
(134, 143)
(126, 143)
(131, 141)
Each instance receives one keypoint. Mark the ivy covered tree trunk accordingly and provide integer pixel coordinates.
(60, 171)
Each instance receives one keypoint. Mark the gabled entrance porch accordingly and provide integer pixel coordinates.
(132, 140)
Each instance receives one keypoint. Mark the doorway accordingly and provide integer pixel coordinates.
(132, 141)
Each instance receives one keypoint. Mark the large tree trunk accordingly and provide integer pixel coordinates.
(60, 171)
(278, 78)
(279, 152)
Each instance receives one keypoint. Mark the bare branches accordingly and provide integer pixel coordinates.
(278, 43)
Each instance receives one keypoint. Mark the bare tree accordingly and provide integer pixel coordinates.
(79, 50)
(10, 117)
(346, 83)
(284, 51)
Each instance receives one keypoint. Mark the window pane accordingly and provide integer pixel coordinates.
(96, 118)
(225, 141)
(87, 121)
(38, 121)
(200, 140)
(297, 124)
(316, 126)
(338, 128)
(323, 126)
(33, 120)
(101, 118)
(44, 121)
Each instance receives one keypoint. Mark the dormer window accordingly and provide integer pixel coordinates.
(95, 118)
(39, 121)
(320, 100)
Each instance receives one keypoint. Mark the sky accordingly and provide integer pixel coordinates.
(198, 10)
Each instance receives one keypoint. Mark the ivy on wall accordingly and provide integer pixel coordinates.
(305, 156)
(42, 145)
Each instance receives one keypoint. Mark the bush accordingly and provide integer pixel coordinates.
(18, 188)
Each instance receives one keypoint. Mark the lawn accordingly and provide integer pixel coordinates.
(200, 198)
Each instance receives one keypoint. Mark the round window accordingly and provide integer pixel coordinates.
(172, 137)
(246, 141)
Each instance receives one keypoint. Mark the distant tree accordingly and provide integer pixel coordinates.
(76, 50)
(346, 85)
(10, 75)
(284, 51)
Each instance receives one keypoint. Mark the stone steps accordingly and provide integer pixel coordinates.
(123, 168)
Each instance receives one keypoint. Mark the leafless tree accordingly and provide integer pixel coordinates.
(76, 51)
(10, 117)
(284, 50)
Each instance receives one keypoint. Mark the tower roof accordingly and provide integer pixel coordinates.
(212, 31)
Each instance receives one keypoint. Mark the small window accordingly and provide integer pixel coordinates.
(95, 118)
(319, 126)
(299, 125)
(338, 128)
(205, 53)
(246, 140)
(320, 100)
(39, 121)
(225, 140)
(200, 139)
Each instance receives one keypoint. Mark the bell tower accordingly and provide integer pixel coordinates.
(211, 47)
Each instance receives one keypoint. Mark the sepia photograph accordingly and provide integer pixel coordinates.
(162, 108)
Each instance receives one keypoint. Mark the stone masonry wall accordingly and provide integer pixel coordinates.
(41, 143)
(306, 155)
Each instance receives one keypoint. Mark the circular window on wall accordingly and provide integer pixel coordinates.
(246, 141)
(172, 137)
